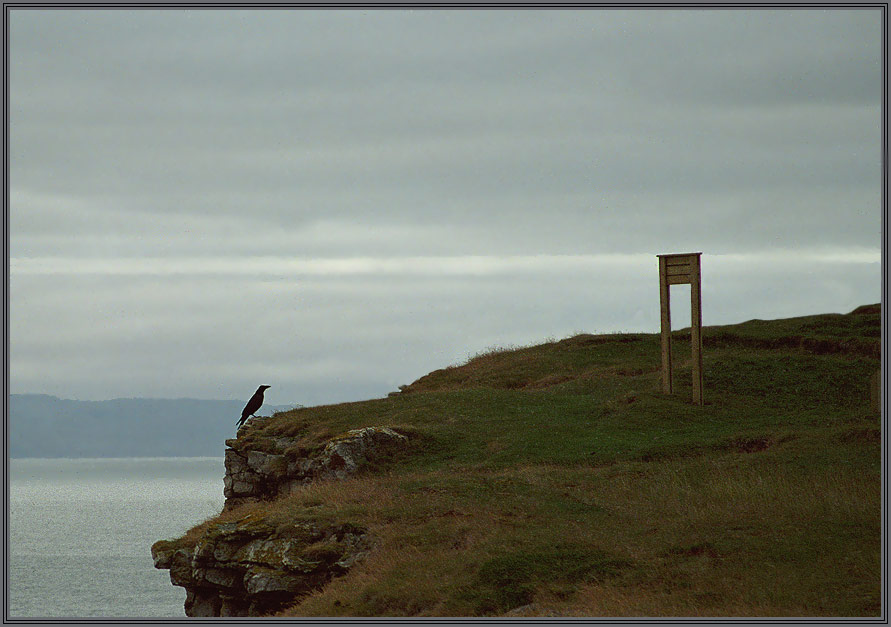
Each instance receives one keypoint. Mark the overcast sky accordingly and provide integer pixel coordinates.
(335, 203)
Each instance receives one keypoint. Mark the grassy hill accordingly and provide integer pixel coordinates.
(557, 479)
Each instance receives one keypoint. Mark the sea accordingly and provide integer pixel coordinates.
(81, 531)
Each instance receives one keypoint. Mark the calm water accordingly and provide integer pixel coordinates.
(81, 532)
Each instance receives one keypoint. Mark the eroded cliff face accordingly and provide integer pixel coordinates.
(278, 467)
(249, 567)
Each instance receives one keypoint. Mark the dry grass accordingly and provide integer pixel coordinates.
(728, 535)
(711, 537)
(718, 599)
(557, 477)
(247, 510)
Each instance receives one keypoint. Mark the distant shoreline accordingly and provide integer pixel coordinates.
(43, 426)
(101, 458)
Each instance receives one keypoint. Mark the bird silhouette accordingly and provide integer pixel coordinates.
(252, 405)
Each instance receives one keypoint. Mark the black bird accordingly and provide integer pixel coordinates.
(252, 405)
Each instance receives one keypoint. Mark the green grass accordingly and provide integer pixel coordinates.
(510, 579)
(559, 475)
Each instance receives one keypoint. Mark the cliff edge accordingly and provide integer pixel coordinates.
(248, 567)
(558, 480)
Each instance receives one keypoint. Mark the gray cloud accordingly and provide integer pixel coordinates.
(337, 202)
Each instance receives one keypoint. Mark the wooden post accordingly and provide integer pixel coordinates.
(665, 308)
(696, 331)
(673, 270)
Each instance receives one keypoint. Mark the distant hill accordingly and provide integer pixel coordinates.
(47, 426)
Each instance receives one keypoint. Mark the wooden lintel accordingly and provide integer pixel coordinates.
(675, 256)
(680, 269)
(668, 255)
(679, 279)
(680, 261)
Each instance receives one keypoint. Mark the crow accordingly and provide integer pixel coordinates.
(252, 405)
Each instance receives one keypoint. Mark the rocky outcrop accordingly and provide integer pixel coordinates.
(253, 475)
(247, 568)
(250, 568)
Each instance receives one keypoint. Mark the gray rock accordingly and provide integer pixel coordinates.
(281, 554)
(203, 550)
(223, 577)
(235, 463)
(267, 464)
(267, 475)
(181, 568)
(256, 460)
(345, 455)
(244, 488)
(224, 550)
(162, 553)
(259, 580)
